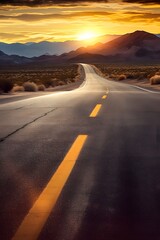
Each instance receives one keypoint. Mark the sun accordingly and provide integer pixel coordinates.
(86, 36)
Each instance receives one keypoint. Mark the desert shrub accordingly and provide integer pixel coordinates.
(6, 85)
(74, 79)
(138, 72)
(150, 75)
(157, 73)
(18, 88)
(155, 80)
(130, 75)
(141, 75)
(49, 82)
(112, 76)
(61, 83)
(121, 77)
(41, 87)
(30, 87)
(42, 75)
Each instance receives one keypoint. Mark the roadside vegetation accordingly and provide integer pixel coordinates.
(155, 79)
(38, 80)
(146, 74)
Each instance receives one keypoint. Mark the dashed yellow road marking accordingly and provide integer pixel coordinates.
(33, 223)
(96, 110)
(104, 97)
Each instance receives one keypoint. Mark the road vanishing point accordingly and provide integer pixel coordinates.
(81, 164)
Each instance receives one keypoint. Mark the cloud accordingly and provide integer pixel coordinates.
(144, 14)
(143, 1)
(137, 17)
(98, 15)
(33, 3)
(12, 35)
(39, 17)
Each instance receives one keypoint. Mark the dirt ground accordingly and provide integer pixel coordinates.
(143, 83)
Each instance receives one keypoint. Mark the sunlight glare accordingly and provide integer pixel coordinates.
(86, 36)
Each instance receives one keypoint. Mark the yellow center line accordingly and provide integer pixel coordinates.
(96, 110)
(34, 221)
(104, 97)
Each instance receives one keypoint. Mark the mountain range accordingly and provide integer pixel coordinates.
(137, 47)
(32, 49)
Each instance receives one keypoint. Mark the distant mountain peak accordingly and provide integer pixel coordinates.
(143, 35)
(134, 39)
(131, 46)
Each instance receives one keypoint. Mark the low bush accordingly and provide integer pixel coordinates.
(157, 73)
(112, 76)
(150, 75)
(49, 82)
(41, 87)
(30, 87)
(121, 77)
(18, 88)
(61, 83)
(6, 85)
(155, 80)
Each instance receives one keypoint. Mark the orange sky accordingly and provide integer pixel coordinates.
(75, 20)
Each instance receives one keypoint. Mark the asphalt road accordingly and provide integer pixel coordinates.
(105, 136)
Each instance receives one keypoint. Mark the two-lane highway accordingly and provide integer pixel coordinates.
(83, 164)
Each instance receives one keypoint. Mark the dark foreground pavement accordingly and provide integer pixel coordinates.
(113, 191)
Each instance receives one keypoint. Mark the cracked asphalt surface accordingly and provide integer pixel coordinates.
(26, 124)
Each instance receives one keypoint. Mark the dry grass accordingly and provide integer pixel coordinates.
(139, 73)
(51, 77)
(155, 80)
